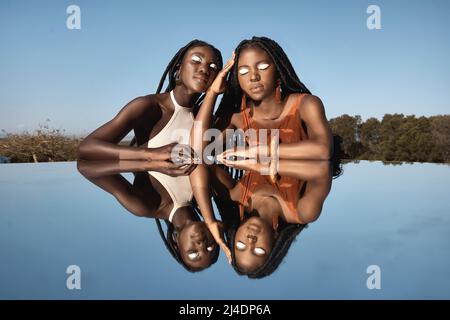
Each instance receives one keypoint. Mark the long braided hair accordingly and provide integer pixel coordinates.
(289, 81)
(173, 67)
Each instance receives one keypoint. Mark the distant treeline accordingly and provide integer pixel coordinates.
(395, 138)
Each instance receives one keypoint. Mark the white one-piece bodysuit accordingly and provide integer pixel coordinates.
(178, 130)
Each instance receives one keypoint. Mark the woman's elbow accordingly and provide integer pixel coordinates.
(325, 151)
(82, 150)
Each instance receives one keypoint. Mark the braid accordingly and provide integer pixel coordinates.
(290, 82)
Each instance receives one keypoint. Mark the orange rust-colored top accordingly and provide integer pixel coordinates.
(288, 188)
(290, 131)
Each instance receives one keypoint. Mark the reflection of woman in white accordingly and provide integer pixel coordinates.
(156, 195)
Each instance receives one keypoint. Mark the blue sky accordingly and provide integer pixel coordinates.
(80, 79)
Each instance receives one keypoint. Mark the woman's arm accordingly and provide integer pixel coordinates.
(200, 183)
(204, 118)
(140, 202)
(319, 145)
(318, 177)
(102, 144)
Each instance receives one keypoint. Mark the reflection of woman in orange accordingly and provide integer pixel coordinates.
(304, 134)
(270, 214)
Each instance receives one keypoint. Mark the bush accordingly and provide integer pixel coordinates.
(44, 145)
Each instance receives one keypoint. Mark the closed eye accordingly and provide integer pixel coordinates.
(192, 255)
(240, 245)
(259, 251)
(263, 66)
(210, 248)
(213, 66)
(196, 58)
(243, 71)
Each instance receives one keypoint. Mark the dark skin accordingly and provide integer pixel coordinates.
(147, 115)
(255, 236)
(146, 197)
(258, 79)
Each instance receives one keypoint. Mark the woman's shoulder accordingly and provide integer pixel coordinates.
(305, 98)
(307, 103)
(144, 104)
(308, 99)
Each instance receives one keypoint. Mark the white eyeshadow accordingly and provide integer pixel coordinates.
(193, 255)
(260, 251)
(240, 245)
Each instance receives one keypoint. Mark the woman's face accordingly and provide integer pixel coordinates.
(253, 243)
(197, 245)
(198, 69)
(257, 74)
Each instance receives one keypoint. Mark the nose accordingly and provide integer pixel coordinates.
(252, 238)
(201, 244)
(204, 68)
(255, 75)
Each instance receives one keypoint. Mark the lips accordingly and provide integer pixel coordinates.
(257, 88)
(254, 228)
(201, 78)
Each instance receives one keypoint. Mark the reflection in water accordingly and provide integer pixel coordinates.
(165, 198)
(264, 215)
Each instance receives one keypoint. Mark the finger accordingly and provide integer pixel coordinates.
(230, 61)
(227, 252)
(228, 66)
(190, 168)
(189, 153)
(170, 165)
(227, 154)
(229, 164)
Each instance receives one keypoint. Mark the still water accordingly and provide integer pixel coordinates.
(394, 217)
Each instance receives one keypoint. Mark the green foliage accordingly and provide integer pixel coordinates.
(395, 138)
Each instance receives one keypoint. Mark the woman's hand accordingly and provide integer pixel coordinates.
(220, 84)
(172, 152)
(216, 228)
(247, 152)
(246, 164)
(172, 169)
